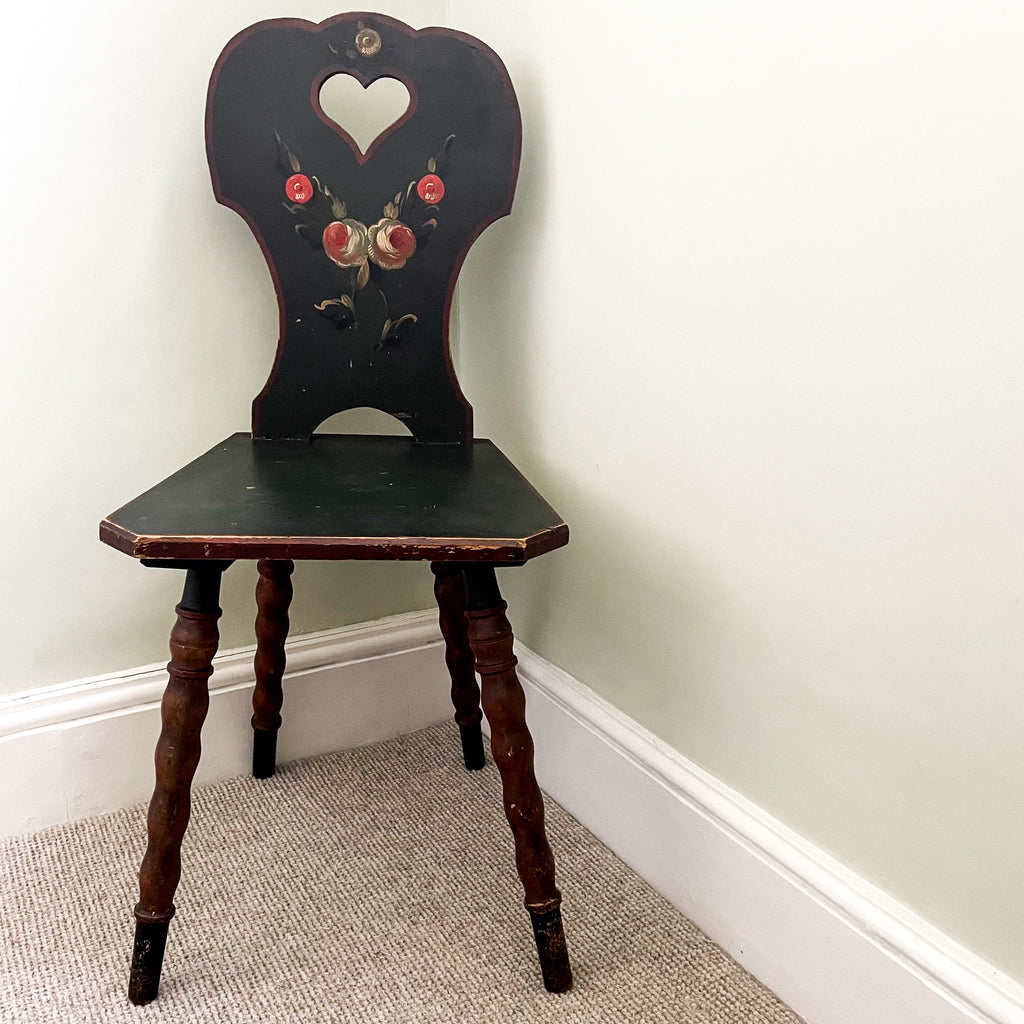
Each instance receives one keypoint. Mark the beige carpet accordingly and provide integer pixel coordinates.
(369, 885)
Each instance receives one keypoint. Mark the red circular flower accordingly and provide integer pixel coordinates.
(299, 189)
(430, 188)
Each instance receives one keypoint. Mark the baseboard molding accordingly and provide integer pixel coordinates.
(836, 949)
(90, 742)
(833, 947)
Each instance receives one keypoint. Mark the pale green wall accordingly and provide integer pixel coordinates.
(139, 322)
(754, 327)
(760, 339)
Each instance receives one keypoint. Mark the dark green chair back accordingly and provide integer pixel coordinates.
(364, 249)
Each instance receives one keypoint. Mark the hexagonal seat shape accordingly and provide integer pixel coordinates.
(340, 496)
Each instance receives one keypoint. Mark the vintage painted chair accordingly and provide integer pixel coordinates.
(364, 250)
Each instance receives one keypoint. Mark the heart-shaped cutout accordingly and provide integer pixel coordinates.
(364, 113)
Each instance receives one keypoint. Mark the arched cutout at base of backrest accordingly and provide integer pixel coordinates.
(363, 420)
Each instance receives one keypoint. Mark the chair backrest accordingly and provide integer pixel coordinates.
(364, 249)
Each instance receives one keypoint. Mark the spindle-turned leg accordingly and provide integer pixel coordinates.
(185, 702)
(450, 593)
(273, 596)
(504, 703)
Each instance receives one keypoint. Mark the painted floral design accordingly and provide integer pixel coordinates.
(345, 242)
(367, 41)
(430, 188)
(363, 254)
(391, 243)
(299, 189)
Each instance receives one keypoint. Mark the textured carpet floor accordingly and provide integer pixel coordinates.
(369, 885)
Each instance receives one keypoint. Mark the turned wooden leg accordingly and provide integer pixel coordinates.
(273, 596)
(450, 592)
(185, 702)
(504, 703)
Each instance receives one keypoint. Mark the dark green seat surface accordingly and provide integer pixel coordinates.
(340, 496)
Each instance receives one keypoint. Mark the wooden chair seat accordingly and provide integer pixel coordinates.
(338, 497)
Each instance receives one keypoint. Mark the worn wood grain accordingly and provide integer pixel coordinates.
(340, 497)
(183, 709)
(504, 703)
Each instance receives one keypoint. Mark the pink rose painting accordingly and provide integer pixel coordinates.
(344, 241)
(391, 243)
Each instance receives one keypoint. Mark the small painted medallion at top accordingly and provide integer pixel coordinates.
(368, 42)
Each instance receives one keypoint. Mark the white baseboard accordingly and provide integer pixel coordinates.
(90, 743)
(833, 947)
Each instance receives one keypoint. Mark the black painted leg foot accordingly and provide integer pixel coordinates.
(147, 961)
(472, 746)
(264, 753)
(551, 948)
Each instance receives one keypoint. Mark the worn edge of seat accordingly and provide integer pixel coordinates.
(453, 549)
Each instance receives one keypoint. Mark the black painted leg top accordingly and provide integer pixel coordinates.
(482, 590)
(202, 586)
